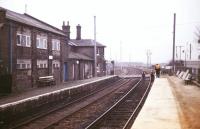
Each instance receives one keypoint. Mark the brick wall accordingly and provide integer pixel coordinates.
(27, 78)
(89, 51)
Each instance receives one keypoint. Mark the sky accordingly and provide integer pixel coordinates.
(129, 28)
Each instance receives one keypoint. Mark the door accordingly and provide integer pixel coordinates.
(65, 72)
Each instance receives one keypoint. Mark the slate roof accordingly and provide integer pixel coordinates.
(84, 43)
(73, 55)
(31, 21)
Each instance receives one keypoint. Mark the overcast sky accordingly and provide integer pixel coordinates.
(133, 25)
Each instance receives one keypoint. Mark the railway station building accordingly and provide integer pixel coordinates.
(81, 54)
(31, 48)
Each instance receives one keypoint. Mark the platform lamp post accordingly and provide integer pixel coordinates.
(148, 58)
(50, 64)
(113, 67)
(78, 67)
(150, 53)
(184, 51)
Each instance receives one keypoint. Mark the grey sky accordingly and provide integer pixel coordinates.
(138, 24)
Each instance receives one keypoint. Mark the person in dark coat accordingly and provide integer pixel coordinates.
(143, 75)
(152, 76)
(157, 68)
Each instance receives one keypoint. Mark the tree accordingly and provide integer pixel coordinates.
(198, 34)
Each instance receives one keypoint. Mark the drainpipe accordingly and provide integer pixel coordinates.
(10, 50)
(0, 49)
(1, 59)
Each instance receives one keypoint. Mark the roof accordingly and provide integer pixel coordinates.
(72, 43)
(73, 55)
(84, 43)
(31, 21)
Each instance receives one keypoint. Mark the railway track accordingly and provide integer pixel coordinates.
(122, 113)
(45, 111)
(48, 119)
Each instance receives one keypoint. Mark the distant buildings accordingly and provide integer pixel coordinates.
(31, 48)
(188, 57)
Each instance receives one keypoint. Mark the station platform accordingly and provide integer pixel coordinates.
(18, 96)
(160, 109)
(170, 105)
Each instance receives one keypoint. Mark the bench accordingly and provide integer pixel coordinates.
(46, 81)
(181, 74)
(188, 79)
(177, 73)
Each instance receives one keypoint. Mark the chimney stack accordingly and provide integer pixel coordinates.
(78, 32)
(66, 29)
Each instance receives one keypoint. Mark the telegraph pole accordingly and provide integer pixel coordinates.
(174, 31)
(180, 51)
(180, 47)
(121, 54)
(190, 51)
(148, 58)
(95, 49)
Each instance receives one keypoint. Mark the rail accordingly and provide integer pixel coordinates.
(96, 122)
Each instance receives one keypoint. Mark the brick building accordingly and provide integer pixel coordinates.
(30, 48)
(84, 51)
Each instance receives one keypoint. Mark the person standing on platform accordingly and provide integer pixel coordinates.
(157, 68)
(143, 75)
(152, 76)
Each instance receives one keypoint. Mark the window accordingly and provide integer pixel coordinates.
(23, 64)
(98, 67)
(98, 51)
(28, 65)
(42, 64)
(18, 40)
(41, 42)
(45, 43)
(23, 40)
(18, 66)
(86, 68)
(37, 42)
(199, 57)
(45, 65)
(28, 39)
(56, 44)
(56, 64)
